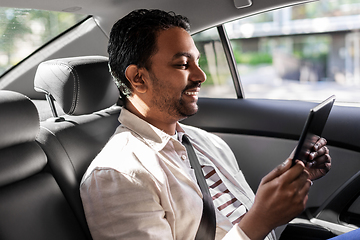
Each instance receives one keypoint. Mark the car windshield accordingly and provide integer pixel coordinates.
(22, 31)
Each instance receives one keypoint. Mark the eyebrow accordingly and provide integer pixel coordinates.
(185, 54)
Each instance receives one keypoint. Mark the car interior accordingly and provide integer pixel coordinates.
(59, 106)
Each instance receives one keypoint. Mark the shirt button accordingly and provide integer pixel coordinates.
(183, 157)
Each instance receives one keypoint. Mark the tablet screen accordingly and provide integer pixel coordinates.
(313, 128)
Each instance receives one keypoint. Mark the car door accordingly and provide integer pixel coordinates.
(263, 132)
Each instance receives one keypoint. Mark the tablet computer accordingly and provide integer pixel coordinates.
(312, 130)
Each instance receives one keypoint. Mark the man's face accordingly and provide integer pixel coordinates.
(175, 76)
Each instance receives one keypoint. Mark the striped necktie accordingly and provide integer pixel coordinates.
(223, 199)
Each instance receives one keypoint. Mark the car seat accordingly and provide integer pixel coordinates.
(32, 205)
(84, 89)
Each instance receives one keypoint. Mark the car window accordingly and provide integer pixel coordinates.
(219, 83)
(22, 31)
(304, 52)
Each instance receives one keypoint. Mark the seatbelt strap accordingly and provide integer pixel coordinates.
(207, 226)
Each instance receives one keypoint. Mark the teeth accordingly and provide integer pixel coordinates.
(191, 93)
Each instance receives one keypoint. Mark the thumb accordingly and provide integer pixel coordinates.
(276, 172)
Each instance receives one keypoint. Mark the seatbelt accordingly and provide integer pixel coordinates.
(207, 226)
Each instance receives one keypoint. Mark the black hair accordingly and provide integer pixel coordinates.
(133, 41)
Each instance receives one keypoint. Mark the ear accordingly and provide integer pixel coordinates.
(135, 76)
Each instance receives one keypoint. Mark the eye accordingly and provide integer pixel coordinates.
(183, 65)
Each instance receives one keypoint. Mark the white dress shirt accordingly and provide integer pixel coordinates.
(141, 186)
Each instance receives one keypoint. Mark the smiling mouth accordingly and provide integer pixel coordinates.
(192, 93)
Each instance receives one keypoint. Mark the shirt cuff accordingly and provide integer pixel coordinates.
(236, 233)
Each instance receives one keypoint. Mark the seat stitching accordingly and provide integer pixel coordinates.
(76, 90)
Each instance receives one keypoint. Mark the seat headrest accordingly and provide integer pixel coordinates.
(80, 85)
(19, 119)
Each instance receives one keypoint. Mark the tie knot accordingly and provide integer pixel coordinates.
(185, 139)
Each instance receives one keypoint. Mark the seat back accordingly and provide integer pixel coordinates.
(73, 140)
(32, 206)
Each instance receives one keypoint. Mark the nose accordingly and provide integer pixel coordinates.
(198, 75)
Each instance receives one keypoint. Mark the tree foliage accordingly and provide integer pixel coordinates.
(22, 31)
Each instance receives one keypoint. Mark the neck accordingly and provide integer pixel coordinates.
(167, 125)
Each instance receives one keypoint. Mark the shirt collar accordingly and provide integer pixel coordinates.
(153, 136)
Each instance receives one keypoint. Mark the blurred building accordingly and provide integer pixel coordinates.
(313, 42)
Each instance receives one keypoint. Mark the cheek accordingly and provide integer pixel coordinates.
(175, 85)
(179, 81)
(170, 83)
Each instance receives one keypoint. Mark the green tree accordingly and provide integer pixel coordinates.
(13, 26)
(35, 27)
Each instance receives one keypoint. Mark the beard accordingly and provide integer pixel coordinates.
(171, 104)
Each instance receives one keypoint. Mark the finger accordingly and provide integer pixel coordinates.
(300, 188)
(276, 172)
(302, 179)
(324, 159)
(305, 187)
(323, 162)
(303, 193)
(321, 142)
(322, 151)
(294, 173)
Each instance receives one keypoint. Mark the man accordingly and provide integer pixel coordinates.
(141, 185)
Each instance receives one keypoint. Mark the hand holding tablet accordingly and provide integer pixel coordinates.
(312, 130)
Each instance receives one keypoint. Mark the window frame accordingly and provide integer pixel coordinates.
(225, 41)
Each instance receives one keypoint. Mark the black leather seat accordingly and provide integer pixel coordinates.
(84, 89)
(32, 205)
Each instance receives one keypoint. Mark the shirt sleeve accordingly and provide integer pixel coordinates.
(119, 206)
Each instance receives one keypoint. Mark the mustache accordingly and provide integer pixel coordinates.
(192, 85)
